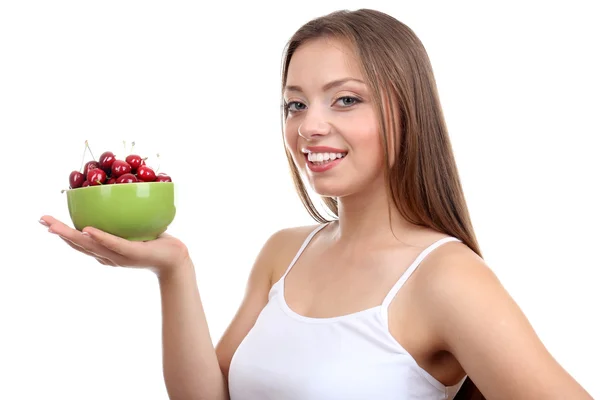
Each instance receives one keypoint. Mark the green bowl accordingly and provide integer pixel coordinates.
(134, 211)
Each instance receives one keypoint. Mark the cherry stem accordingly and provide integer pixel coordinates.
(157, 168)
(132, 146)
(124, 149)
(83, 157)
(90, 150)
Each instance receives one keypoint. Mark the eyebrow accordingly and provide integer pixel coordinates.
(327, 86)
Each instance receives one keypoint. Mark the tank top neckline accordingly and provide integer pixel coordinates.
(318, 320)
(380, 309)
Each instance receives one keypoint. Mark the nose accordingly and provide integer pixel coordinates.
(313, 126)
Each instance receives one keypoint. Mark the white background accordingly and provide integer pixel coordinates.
(199, 84)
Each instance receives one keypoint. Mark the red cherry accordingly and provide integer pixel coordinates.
(127, 178)
(90, 165)
(111, 181)
(162, 177)
(96, 176)
(135, 161)
(106, 160)
(119, 168)
(86, 183)
(146, 174)
(76, 179)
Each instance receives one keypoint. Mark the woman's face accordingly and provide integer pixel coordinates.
(331, 129)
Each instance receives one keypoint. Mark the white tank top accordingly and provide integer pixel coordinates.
(287, 356)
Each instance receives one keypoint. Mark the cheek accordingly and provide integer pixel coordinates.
(368, 144)
(291, 140)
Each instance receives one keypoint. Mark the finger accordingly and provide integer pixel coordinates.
(123, 247)
(106, 262)
(100, 259)
(77, 247)
(84, 242)
(49, 220)
(56, 226)
(98, 244)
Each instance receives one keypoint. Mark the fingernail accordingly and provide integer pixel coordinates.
(85, 234)
(43, 222)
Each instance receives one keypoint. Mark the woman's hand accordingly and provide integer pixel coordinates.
(161, 255)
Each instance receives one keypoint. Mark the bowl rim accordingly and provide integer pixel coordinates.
(119, 185)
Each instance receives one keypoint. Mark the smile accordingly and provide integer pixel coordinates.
(320, 158)
(321, 161)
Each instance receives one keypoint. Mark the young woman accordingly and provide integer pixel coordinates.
(389, 300)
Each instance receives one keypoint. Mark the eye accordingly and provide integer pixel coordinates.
(348, 101)
(294, 106)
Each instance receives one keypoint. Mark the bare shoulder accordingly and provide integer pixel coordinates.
(455, 263)
(480, 324)
(283, 245)
(278, 251)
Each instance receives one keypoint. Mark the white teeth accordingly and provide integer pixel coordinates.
(323, 157)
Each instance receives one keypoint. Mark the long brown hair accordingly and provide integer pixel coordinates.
(423, 181)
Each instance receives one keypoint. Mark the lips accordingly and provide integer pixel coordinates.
(323, 149)
(321, 159)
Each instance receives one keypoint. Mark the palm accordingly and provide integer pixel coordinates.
(161, 253)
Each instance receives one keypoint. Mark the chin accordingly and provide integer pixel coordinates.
(331, 189)
(337, 183)
(338, 187)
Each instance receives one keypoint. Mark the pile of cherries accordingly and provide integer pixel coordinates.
(109, 170)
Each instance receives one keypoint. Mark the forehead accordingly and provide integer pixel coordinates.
(323, 59)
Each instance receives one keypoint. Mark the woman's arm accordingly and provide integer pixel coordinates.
(190, 367)
(481, 325)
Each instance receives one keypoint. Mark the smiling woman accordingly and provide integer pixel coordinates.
(364, 128)
(389, 300)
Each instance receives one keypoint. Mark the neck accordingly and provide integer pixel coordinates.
(365, 218)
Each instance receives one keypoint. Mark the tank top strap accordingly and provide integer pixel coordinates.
(301, 249)
(409, 271)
